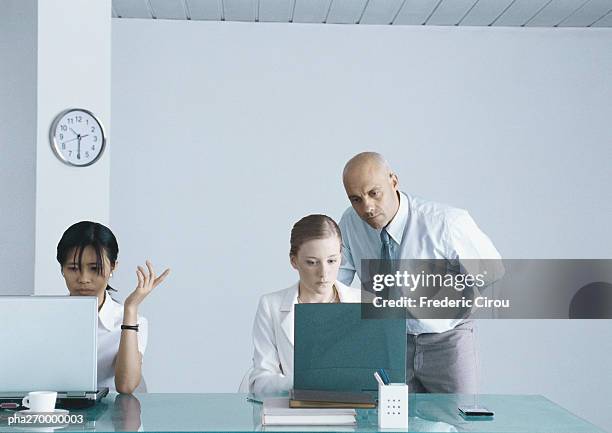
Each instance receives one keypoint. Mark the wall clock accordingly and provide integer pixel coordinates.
(77, 137)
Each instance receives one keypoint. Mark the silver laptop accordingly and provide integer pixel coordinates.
(49, 343)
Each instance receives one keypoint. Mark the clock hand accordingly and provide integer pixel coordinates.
(76, 138)
(79, 147)
(74, 132)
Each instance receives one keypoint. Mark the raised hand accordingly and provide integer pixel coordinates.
(147, 281)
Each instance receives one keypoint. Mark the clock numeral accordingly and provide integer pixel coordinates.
(70, 120)
(93, 128)
(79, 118)
(86, 154)
(70, 153)
(64, 128)
(63, 146)
(93, 148)
(95, 138)
(61, 136)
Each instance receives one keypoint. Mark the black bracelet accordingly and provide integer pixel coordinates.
(130, 327)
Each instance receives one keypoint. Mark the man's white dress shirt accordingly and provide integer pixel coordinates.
(420, 229)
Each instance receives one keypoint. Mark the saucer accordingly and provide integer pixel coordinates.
(54, 412)
(40, 426)
(49, 429)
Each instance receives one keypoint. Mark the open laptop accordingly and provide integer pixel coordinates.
(337, 350)
(49, 343)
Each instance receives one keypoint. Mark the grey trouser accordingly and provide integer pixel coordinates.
(446, 362)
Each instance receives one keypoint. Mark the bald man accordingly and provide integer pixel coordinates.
(383, 221)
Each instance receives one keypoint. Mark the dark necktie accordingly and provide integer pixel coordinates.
(385, 253)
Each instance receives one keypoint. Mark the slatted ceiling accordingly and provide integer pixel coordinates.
(204, 9)
(345, 11)
(485, 12)
(168, 9)
(311, 11)
(415, 12)
(276, 10)
(380, 11)
(240, 10)
(519, 12)
(512, 13)
(605, 21)
(132, 8)
(554, 12)
(588, 14)
(450, 12)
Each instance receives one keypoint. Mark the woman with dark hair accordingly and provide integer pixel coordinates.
(315, 253)
(87, 254)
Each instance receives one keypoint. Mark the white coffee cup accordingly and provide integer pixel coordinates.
(40, 401)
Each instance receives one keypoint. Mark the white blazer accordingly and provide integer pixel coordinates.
(273, 338)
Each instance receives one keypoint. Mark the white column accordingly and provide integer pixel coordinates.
(64, 47)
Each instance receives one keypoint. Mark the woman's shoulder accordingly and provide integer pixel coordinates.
(351, 294)
(277, 297)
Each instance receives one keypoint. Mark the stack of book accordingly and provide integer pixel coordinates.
(276, 411)
(327, 399)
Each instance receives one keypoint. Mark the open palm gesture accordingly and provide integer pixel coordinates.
(147, 281)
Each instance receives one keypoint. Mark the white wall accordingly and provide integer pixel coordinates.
(17, 145)
(227, 133)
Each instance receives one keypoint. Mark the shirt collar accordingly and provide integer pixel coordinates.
(343, 292)
(397, 225)
(107, 313)
(290, 298)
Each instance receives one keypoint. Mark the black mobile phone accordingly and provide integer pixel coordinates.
(476, 412)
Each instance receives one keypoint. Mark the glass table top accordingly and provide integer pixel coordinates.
(232, 412)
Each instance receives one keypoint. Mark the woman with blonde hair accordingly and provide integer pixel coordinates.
(315, 253)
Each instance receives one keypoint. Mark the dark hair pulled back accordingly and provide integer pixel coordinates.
(88, 234)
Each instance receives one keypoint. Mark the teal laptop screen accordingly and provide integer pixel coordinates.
(337, 350)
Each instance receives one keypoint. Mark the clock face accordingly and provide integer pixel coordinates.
(77, 137)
